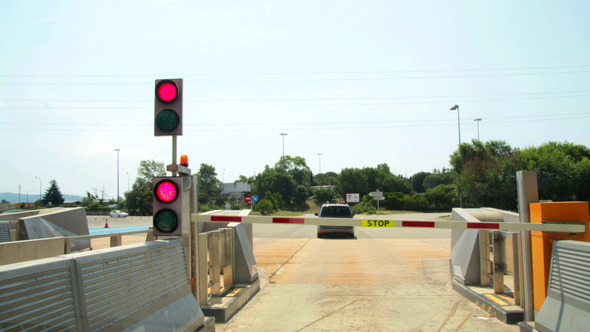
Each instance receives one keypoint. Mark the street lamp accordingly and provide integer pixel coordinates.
(477, 120)
(117, 177)
(283, 134)
(456, 108)
(40, 186)
(320, 162)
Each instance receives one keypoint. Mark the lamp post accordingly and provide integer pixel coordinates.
(117, 177)
(283, 134)
(40, 186)
(456, 108)
(320, 164)
(477, 120)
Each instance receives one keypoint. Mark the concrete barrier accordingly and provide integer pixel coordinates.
(465, 250)
(21, 251)
(62, 222)
(122, 289)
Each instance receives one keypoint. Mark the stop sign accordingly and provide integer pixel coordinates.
(248, 199)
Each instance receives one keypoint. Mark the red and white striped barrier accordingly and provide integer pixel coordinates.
(555, 227)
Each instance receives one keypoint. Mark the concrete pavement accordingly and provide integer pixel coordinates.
(357, 285)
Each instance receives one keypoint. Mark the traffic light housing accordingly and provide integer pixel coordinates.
(168, 107)
(167, 206)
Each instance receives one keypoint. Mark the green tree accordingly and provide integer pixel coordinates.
(486, 174)
(326, 179)
(366, 180)
(275, 181)
(323, 195)
(555, 164)
(149, 169)
(300, 195)
(297, 169)
(417, 181)
(208, 182)
(139, 198)
(53, 196)
(353, 180)
(442, 197)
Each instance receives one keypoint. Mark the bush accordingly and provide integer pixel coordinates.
(265, 207)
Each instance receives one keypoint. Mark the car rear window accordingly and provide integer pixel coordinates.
(336, 212)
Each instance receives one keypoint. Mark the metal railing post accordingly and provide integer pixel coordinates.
(202, 271)
(517, 273)
(484, 257)
(499, 263)
(215, 264)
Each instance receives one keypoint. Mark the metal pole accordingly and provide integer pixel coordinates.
(283, 134)
(320, 165)
(477, 120)
(40, 187)
(173, 153)
(459, 124)
(117, 177)
(456, 108)
(527, 193)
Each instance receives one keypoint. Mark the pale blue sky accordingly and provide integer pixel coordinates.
(362, 82)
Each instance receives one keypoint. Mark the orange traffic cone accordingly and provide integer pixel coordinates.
(106, 223)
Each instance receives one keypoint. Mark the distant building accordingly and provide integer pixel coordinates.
(236, 190)
(323, 187)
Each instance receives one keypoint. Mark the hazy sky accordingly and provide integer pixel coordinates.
(361, 82)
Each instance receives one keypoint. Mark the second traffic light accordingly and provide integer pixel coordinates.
(168, 107)
(167, 206)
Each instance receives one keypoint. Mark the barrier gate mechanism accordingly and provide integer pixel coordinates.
(549, 226)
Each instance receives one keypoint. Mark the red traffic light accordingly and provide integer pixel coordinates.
(167, 91)
(166, 191)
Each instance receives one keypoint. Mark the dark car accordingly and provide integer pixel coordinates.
(335, 211)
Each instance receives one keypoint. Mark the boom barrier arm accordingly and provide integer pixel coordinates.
(548, 226)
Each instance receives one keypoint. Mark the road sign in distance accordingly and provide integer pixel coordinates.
(254, 198)
(248, 199)
(353, 198)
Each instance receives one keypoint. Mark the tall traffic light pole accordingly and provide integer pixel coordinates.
(171, 195)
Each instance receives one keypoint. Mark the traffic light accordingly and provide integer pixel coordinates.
(168, 107)
(167, 206)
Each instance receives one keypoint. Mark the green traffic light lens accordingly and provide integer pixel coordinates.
(166, 221)
(167, 120)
